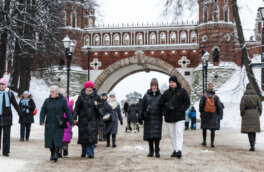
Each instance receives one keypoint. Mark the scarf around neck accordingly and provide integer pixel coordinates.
(7, 101)
(112, 102)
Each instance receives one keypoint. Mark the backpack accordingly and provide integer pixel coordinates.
(209, 104)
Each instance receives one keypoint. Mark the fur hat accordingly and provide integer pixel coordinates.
(174, 79)
(89, 84)
(154, 81)
(4, 81)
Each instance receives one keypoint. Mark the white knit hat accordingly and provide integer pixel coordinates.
(112, 93)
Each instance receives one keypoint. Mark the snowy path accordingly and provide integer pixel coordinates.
(231, 154)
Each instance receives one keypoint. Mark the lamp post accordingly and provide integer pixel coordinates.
(205, 59)
(261, 12)
(88, 53)
(69, 45)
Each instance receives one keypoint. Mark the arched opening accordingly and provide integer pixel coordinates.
(162, 38)
(139, 39)
(183, 37)
(173, 38)
(216, 55)
(152, 38)
(205, 14)
(226, 14)
(119, 70)
(96, 40)
(86, 41)
(127, 88)
(106, 40)
(116, 39)
(215, 13)
(126, 39)
(74, 19)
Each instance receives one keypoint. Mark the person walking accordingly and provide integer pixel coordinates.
(52, 116)
(6, 118)
(187, 118)
(87, 112)
(112, 108)
(101, 124)
(209, 108)
(193, 118)
(176, 101)
(220, 116)
(250, 111)
(64, 150)
(27, 106)
(151, 112)
(132, 115)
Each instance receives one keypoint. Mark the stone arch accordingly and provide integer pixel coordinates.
(119, 70)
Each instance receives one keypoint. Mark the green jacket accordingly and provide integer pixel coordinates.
(51, 108)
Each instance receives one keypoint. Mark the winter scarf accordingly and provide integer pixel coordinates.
(112, 102)
(24, 103)
(7, 101)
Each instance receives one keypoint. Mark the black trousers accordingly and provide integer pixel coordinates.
(151, 145)
(212, 135)
(252, 137)
(6, 139)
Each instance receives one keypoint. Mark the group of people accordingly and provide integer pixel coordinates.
(100, 115)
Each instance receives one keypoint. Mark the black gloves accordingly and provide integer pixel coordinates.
(121, 122)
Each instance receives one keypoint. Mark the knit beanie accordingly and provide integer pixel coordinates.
(89, 84)
(104, 94)
(26, 93)
(112, 93)
(154, 81)
(174, 79)
(4, 81)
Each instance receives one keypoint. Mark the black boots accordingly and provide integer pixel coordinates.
(151, 148)
(212, 138)
(113, 140)
(108, 140)
(65, 152)
(54, 154)
(252, 140)
(186, 125)
(204, 138)
(176, 154)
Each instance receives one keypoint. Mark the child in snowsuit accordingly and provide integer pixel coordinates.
(193, 118)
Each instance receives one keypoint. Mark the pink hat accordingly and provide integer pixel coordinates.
(4, 81)
(89, 84)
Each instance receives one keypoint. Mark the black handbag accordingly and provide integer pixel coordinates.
(62, 122)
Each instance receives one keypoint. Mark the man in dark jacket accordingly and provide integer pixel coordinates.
(101, 134)
(209, 120)
(175, 101)
(6, 99)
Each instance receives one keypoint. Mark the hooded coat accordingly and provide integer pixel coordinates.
(151, 112)
(180, 103)
(51, 108)
(112, 107)
(88, 115)
(209, 120)
(250, 111)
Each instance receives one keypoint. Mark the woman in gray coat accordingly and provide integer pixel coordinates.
(250, 111)
(111, 126)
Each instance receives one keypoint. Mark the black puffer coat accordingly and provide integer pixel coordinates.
(7, 118)
(132, 113)
(180, 103)
(88, 115)
(27, 118)
(209, 120)
(151, 113)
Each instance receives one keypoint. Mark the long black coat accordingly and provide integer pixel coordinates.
(111, 126)
(209, 120)
(180, 103)
(151, 113)
(132, 113)
(6, 119)
(88, 115)
(51, 108)
(27, 118)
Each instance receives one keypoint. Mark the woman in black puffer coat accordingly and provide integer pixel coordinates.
(151, 113)
(86, 109)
